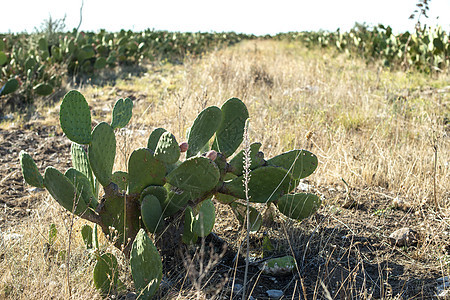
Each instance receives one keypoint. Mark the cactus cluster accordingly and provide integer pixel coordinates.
(162, 183)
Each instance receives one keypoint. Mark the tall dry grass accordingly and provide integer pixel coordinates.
(368, 126)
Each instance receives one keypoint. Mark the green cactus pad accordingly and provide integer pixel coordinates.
(224, 199)
(153, 139)
(144, 170)
(86, 233)
(84, 187)
(146, 265)
(106, 273)
(30, 171)
(102, 152)
(230, 133)
(113, 215)
(122, 112)
(197, 174)
(151, 213)
(3, 58)
(300, 163)
(43, 89)
(158, 191)
(256, 157)
(298, 206)
(204, 127)
(266, 184)
(75, 118)
(80, 162)
(167, 149)
(176, 200)
(64, 192)
(121, 179)
(10, 87)
(100, 63)
(42, 44)
(279, 266)
(240, 211)
(205, 218)
(189, 236)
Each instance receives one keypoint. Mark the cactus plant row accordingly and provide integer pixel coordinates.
(162, 184)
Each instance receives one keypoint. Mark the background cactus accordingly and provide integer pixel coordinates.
(158, 188)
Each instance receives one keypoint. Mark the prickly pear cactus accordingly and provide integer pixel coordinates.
(163, 185)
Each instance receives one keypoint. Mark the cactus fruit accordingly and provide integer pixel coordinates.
(75, 118)
(298, 206)
(230, 133)
(184, 147)
(204, 127)
(102, 152)
(146, 266)
(121, 113)
(30, 171)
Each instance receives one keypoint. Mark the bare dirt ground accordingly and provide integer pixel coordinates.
(341, 251)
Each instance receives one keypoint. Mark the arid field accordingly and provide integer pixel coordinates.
(381, 136)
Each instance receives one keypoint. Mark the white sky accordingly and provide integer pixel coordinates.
(248, 16)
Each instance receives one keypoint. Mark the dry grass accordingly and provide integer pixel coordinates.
(371, 127)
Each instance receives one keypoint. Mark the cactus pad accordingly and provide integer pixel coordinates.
(189, 236)
(75, 118)
(256, 158)
(80, 162)
(205, 218)
(153, 139)
(230, 133)
(30, 171)
(151, 213)
(43, 89)
(197, 174)
(158, 191)
(121, 179)
(300, 163)
(102, 152)
(83, 186)
(146, 266)
(298, 206)
(10, 87)
(122, 112)
(266, 184)
(106, 273)
(176, 200)
(144, 170)
(204, 127)
(240, 211)
(86, 233)
(167, 149)
(64, 192)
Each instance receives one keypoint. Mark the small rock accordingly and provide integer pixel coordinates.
(403, 237)
(275, 294)
(131, 296)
